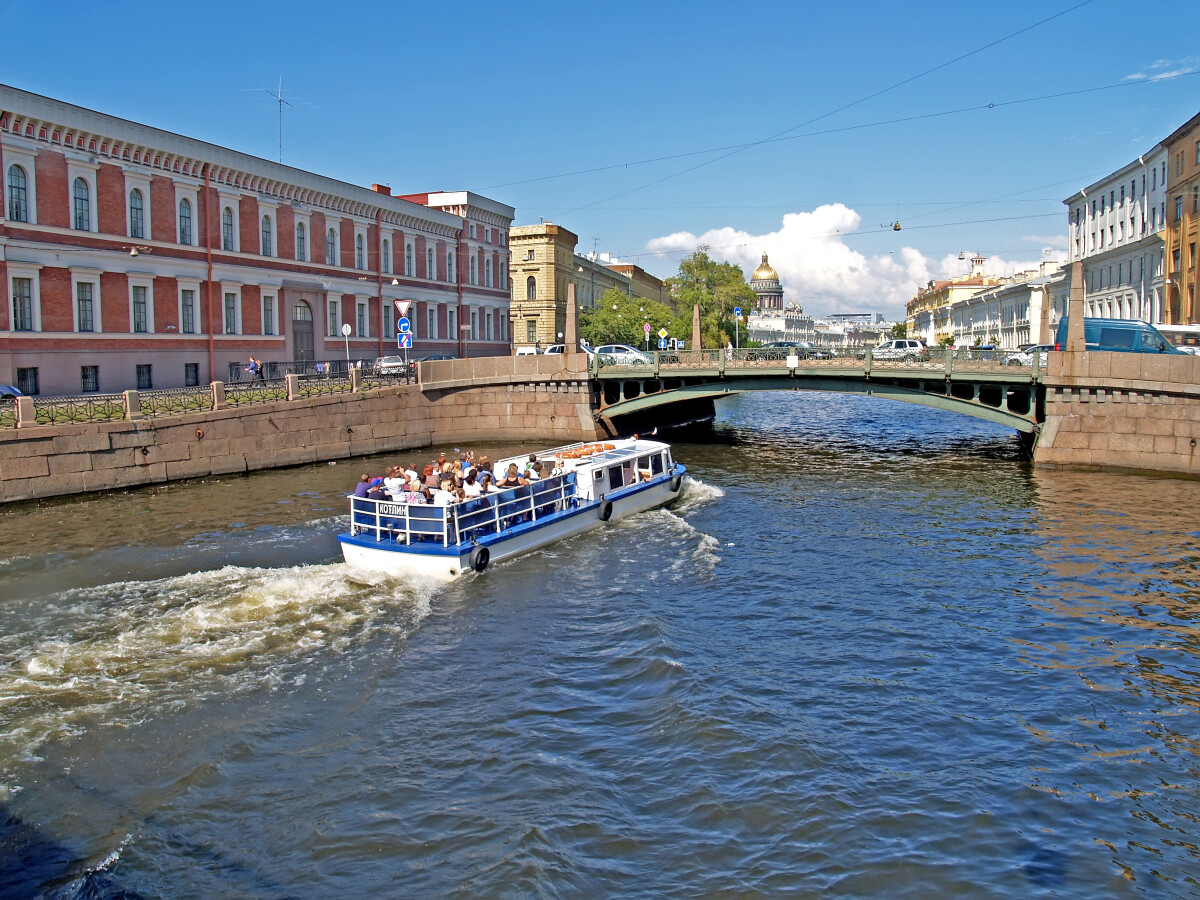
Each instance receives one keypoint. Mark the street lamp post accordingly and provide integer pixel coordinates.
(346, 329)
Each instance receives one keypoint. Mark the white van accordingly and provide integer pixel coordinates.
(528, 351)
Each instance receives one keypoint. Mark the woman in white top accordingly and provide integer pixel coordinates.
(470, 485)
(394, 483)
(444, 495)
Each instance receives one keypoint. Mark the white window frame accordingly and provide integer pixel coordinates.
(362, 316)
(146, 281)
(233, 202)
(333, 315)
(33, 273)
(487, 324)
(263, 297)
(410, 259)
(144, 190)
(86, 171)
(431, 257)
(236, 290)
(503, 238)
(192, 195)
(487, 271)
(385, 254)
(451, 263)
(194, 287)
(268, 213)
(302, 222)
(487, 234)
(503, 281)
(27, 160)
(474, 323)
(84, 275)
(452, 323)
(474, 269)
(360, 234)
(335, 227)
(431, 330)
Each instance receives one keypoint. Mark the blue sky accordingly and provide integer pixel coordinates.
(494, 98)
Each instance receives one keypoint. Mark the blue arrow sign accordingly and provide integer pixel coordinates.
(737, 312)
(662, 343)
(404, 340)
(403, 326)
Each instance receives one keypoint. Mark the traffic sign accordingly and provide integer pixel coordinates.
(402, 307)
(662, 343)
(662, 332)
(646, 328)
(404, 340)
(737, 312)
(403, 326)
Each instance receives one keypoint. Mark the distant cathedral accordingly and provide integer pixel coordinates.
(765, 283)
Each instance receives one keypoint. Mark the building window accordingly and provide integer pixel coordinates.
(452, 324)
(409, 262)
(83, 205)
(361, 319)
(360, 252)
(530, 288)
(1195, 200)
(18, 194)
(474, 324)
(89, 379)
(471, 226)
(1179, 207)
(185, 221)
(450, 271)
(27, 381)
(531, 330)
(227, 229)
(268, 314)
(301, 242)
(191, 374)
(430, 264)
(331, 247)
(231, 312)
(137, 214)
(143, 377)
(503, 240)
(503, 285)
(487, 324)
(139, 308)
(22, 294)
(187, 311)
(84, 318)
(386, 253)
(474, 270)
(267, 246)
(335, 321)
(431, 330)
(487, 272)
(388, 327)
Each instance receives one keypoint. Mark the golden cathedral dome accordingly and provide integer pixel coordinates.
(764, 272)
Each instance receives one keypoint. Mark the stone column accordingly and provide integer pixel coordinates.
(696, 327)
(356, 379)
(26, 415)
(1075, 310)
(218, 391)
(571, 331)
(293, 385)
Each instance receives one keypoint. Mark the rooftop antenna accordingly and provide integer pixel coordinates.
(278, 95)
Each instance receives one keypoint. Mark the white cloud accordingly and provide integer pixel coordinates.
(818, 270)
(1166, 68)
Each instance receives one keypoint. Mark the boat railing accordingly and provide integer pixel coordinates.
(466, 521)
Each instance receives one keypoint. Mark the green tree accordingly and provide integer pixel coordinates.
(620, 319)
(717, 287)
(900, 330)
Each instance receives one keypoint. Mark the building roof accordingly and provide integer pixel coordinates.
(764, 272)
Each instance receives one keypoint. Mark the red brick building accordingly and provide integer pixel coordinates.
(134, 257)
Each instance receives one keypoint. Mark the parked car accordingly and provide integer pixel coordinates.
(1024, 356)
(906, 349)
(1120, 335)
(437, 356)
(391, 365)
(622, 355)
(9, 394)
(559, 349)
(1190, 349)
(528, 351)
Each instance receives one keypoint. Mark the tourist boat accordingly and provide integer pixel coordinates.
(600, 482)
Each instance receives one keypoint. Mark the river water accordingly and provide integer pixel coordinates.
(870, 652)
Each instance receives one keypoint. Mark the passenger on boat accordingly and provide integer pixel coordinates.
(393, 482)
(364, 485)
(470, 485)
(410, 473)
(444, 495)
(431, 478)
(485, 484)
(376, 491)
(512, 479)
(535, 472)
(485, 464)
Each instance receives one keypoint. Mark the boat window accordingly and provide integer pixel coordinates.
(614, 478)
(656, 464)
(628, 473)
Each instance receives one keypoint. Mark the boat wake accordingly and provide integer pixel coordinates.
(120, 653)
(694, 494)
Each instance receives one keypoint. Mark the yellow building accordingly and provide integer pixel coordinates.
(543, 263)
(1183, 228)
(928, 313)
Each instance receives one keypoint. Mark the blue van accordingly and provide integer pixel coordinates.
(1122, 335)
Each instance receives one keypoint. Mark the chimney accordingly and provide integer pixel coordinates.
(381, 189)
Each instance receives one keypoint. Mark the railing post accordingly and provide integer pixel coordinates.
(867, 362)
(26, 414)
(293, 385)
(355, 379)
(133, 405)
(949, 361)
(1037, 364)
(218, 394)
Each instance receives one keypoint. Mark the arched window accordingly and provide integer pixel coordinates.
(408, 260)
(301, 242)
(227, 228)
(302, 312)
(430, 264)
(18, 194)
(185, 221)
(503, 285)
(360, 252)
(266, 237)
(137, 214)
(331, 247)
(83, 205)
(474, 276)
(487, 272)
(386, 253)
(450, 266)
(530, 288)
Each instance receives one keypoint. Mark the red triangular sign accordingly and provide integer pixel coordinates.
(402, 307)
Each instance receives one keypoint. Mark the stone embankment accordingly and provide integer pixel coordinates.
(533, 399)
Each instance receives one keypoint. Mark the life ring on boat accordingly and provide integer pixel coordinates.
(480, 557)
(605, 510)
(607, 447)
(675, 483)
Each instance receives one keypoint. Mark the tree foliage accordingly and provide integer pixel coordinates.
(621, 319)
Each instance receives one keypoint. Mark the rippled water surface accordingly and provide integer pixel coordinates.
(871, 652)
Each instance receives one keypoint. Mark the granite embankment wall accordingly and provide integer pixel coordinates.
(1134, 411)
(51, 460)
